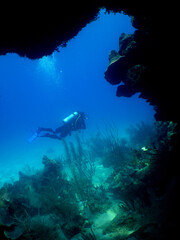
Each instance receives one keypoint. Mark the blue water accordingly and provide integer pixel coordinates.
(42, 92)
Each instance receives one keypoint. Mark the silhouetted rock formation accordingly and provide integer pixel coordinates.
(133, 66)
(143, 64)
(33, 30)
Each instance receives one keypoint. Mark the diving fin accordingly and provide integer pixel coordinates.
(33, 137)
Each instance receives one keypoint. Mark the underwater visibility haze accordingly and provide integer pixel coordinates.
(88, 185)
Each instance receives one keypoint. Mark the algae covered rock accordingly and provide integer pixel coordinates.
(5, 218)
(11, 230)
(14, 233)
(51, 166)
(122, 226)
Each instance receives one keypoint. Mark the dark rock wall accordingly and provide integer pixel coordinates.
(34, 30)
(146, 64)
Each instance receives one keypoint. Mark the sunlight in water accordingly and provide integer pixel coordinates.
(48, 70)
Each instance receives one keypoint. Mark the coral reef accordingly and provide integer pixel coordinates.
(136, 198)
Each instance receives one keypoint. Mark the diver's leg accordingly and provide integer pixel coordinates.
(38, 134)
(51, 136)
(58, 130)
(45, 129)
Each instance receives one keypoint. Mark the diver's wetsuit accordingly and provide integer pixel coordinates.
(77, 123)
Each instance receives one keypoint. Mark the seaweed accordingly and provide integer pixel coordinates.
(88, 235)
(104, 140)
(63, 200)
(41, 228)
(38, 198)
(116, 156)
(147, 184)
(110, 148)
(82, 169)
(141, 134)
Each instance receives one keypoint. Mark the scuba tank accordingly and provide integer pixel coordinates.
(70, 117)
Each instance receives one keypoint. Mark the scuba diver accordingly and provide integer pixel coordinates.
(73, 122)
